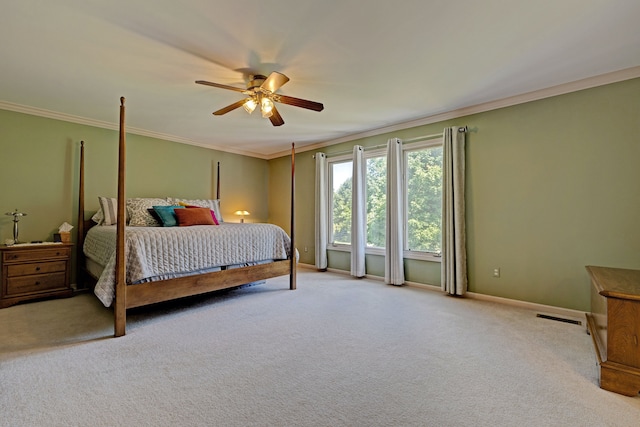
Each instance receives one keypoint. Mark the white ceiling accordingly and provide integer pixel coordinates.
(372, 64)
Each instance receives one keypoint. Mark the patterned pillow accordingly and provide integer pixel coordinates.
(213, 204)
(98, 217)
(109, 210)
(137, 209)
(154, 214)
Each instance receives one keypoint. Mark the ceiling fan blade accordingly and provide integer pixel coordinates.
(297, 102)
(276, 118)
(228, 108)
(203, 82)
(274, 82)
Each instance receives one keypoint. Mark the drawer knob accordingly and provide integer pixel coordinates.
(37, 283)
(37, 268)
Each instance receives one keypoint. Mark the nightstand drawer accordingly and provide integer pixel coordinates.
(31, 272)
(35, 283)
(36, 268)
(36, 254)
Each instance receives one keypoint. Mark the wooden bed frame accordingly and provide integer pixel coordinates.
(157, 291)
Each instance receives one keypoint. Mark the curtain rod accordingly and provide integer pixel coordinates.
(427, 137)
(404, 141)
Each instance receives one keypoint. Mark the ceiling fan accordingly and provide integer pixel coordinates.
(261, 92)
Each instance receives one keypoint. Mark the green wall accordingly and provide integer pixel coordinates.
(39, 164)
(552, 185)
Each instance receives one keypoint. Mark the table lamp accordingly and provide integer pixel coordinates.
(241, 213)
(16, 217)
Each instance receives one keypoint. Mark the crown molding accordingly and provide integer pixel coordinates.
(587, 83)
(41, 112)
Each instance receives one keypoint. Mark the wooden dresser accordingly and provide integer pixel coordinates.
(614, 325)
(34, 271)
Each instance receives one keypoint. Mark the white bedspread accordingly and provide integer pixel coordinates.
(160, 252)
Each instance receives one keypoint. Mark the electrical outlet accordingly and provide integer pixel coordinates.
(306, 249)
(496, 272)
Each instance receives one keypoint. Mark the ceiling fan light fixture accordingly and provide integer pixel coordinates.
(250, 105)
(260, 92)
(266, 106)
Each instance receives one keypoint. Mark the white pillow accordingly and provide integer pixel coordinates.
(109, 210)
(97, 217)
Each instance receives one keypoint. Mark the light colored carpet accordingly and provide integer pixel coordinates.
(335, 352)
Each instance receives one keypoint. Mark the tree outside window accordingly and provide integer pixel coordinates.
(376, 191)
(423, 199)
(340, 175)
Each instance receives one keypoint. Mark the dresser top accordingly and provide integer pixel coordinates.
(616, 282)
(43, 245)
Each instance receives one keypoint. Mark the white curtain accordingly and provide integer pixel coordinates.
(321, 211)
(394, 263)
(358, 212)
(454, 254)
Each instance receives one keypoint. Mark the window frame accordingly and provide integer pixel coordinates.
(346, 247)
(371, 250)
(380, 152)
(407, 253)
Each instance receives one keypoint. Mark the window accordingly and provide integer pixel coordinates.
(340, 202)
(422, 197)
(376, 193)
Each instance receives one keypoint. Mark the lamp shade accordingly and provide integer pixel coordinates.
(266, 106)
(250, 105)
(242, 214)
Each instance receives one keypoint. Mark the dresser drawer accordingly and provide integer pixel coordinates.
(36, 268)
(35, 283)
(35, 254)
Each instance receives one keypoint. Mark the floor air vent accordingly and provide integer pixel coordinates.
(559, 319)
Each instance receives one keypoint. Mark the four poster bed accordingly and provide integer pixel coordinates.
(150, 264)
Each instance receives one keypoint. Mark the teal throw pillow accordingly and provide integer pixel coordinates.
(167, 215)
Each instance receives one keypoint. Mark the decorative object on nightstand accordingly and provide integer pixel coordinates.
(34, 271)
(16, 217)
(64, 233)
(241, 213)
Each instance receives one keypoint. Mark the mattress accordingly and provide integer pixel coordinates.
(158, 253)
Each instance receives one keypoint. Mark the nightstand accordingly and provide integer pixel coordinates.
(34, 271)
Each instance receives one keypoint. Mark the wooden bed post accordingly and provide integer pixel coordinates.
(120, 305)
(218, 183)
(292, 275)
(80, 283)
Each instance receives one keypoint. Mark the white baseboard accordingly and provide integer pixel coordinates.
(540, 308)
(306, 266)
(566, 313)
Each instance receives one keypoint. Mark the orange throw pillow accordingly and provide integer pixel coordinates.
(194, 216)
